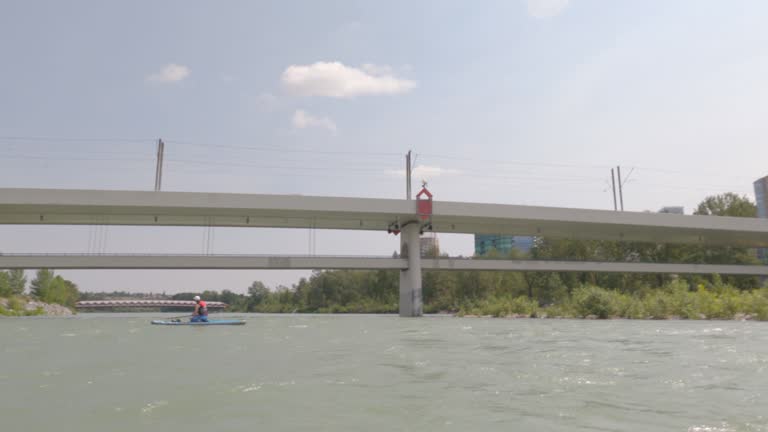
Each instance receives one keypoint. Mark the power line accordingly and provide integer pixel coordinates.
(502, 162)
(71, 139)
(253, 165)
(18, 147)
(132, 157)
(279, 149)
(285, 150)
(56, 158)
(368, 172)
(513, 162)
(366, 167)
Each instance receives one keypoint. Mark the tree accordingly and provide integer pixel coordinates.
(258, 292)
(727, 204)
(61, 291)
(41, 283)
(17, 280)
(229, 298)
(5, 286)
(54, 289)
(436, 287)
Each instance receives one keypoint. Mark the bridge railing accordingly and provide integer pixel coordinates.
(135, 254)
(630, 260)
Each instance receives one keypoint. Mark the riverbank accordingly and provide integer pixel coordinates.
(544, 316)
(24, 306)
(674, 301)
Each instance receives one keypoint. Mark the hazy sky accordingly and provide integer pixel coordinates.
(522, 102)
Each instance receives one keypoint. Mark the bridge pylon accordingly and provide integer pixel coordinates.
(410, 278)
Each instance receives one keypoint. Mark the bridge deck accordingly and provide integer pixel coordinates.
(367, 263)
(105, 207)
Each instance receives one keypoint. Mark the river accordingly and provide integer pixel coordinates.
(116, 372)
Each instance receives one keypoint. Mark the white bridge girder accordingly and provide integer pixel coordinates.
(105, 207)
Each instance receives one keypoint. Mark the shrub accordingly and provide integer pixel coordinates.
(16, 304)
(592, 300)
(524, 306)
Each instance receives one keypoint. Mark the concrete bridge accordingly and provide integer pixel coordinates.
(104, 207)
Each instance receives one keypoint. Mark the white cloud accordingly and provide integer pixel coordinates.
(546, 8)
(426, 172)
(303, 120)
(333, 79)
(169, 73)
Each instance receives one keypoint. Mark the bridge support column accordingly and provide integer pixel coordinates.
(410, 279)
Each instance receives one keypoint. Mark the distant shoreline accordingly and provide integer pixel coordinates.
(543, 316)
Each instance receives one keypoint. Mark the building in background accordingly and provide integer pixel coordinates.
(761, 199)
(672, 210)
(429, 245)
(503, 244)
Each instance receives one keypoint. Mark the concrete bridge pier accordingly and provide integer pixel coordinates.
(410, 279)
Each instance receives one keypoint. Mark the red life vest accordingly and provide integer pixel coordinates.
(202, 309)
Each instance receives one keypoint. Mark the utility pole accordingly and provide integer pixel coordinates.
(613, 184)
(621, 194)
(408, 175)
(159, 168)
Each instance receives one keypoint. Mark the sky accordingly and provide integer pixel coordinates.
(526, 102)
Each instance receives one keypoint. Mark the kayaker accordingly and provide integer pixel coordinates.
(201, 311)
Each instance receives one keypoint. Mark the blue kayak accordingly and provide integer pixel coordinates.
(209, 323)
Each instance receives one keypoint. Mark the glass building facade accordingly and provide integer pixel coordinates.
(761, 191)
(503, 244)
(761, 199)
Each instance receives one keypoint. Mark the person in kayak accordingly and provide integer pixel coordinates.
(201, 311)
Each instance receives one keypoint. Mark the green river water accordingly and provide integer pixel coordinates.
(116, 372)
